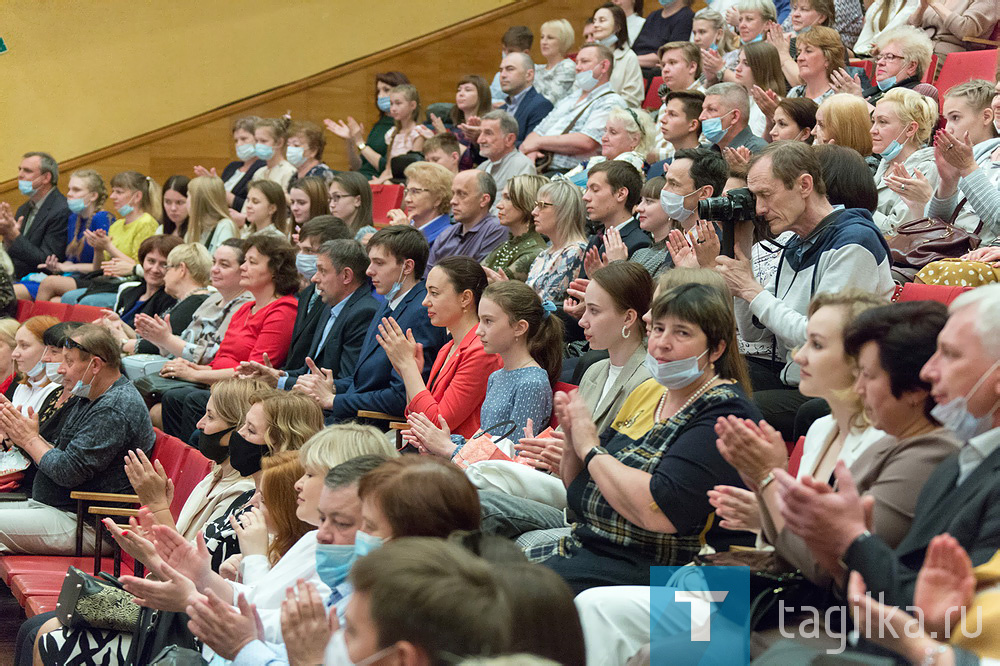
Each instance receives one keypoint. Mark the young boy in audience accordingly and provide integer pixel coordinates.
(680, 127)
(443, 149)
(613, 190)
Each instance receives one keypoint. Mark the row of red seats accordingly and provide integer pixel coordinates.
(35, 580)
(61, 311)
(957, 67)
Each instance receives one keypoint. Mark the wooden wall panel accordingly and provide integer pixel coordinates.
(434, 63)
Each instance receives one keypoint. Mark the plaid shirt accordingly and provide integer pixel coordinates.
(602, 525)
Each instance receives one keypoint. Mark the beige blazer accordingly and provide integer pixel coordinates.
(210, 499)
(892, 471)
(592, 383)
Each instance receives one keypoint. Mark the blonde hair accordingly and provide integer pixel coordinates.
(276, 127)
(849, 121)
(339, 443)
(408, 91)
(152, 195)
(826, 40)
(851, 302)
(638, 124)
(729, 40)
(912, 107)
(913, 42)
(570, 211)
(197, 259)
(95, 184)
(8, 327)
(563, 31)
(522, 191)
(436, 178)
(231, 399)
(206, 206)
(763, 7)
(292, 418)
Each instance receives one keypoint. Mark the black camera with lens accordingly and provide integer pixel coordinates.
(735, 206)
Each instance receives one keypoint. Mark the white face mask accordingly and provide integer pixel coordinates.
(80, 389)
(955, 415)
(673, 205)
(675, 374)
(52, 372)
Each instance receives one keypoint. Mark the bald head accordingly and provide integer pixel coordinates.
(473, 192)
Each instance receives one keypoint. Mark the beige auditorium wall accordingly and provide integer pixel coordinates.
(81, 75)
(434, 62)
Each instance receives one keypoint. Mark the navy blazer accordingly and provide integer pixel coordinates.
(375, 385)
(530, 112)
(46, 236)
(343, 345)
(303, 328)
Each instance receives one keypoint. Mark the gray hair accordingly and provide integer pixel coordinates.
(346, 253)
(49, 165)
(638, 124)
(508, 124)
(351, 471)
(734, 96)
(987, 301)
(763, 7)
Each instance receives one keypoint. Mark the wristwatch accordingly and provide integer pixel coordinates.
(361, 145)
(596, 451)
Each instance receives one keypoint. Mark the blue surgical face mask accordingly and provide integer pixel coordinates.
(396, 286)
(365, 543)
(758, 38)
(52, 372)
(264, 151)
(609, 41)
(667, 3)
(585, 80)
(333, 562)
(675, 374)
(885, 84)
(126, 210)
(26, 187)
(714, 47)
(713, 130)
(306, 264)
(80, 389)
(673, 205)
(383, 104)
(76, 205)
(893, 148)
(245, 151)
(955, 415)
(296, 155)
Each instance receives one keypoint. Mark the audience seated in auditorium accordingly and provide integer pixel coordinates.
(725, 118)
(671, 23)
(475, 231)
(348, 308)
(85, 455)
(559, 216)
(613, 190)
(444, 149)
(573, 130)
(516, 202)
(952, 25)
(498, 139)
(307, 198)
(791, 195)
(679, 127)
(628, 137)
(266, 210)
(37, 229)
(306, 143)
(351, 202)
(516, 39)
(427, 199)
(236, 176)
(610, 29)
(517, 77)
(554, 78)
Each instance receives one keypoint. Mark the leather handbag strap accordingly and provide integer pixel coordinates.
(584, 110)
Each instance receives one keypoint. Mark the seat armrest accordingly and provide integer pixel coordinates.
(87, 496)
(380, 416)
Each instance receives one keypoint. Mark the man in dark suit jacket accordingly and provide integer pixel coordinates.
(961, 497)
(397, 258)
(38, 228)
(341, 323)
(528, 106)
(613, 190)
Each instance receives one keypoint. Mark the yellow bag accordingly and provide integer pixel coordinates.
(958, 273)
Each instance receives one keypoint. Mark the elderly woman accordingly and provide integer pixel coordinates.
(427, 198)
(843, 16)
(907, 176)
(904, 54)
(559, 214)
(642, 503)
(628, 136)
(844, 120)
(515, 256)
(554, 79)
(305, 151)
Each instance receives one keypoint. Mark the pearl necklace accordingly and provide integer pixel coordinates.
(694, 396)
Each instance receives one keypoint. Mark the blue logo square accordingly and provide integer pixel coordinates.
(698, 615)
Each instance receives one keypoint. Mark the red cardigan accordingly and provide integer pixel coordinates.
(456, 391)
(250, 336)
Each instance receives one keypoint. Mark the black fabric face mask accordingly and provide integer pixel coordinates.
(245, 456)
(211, 445)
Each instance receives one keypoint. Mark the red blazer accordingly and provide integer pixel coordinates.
(456, 391)
(250, 336)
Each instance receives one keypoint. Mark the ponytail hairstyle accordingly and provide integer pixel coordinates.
(277, 128)
(277, 489)
(630, 287)
(465, 274)
(409, 91)
(152, 195)
(95, 185)
(545, 331)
